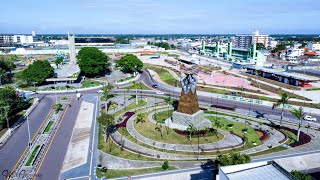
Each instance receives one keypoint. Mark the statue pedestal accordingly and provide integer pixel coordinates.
(181, 121)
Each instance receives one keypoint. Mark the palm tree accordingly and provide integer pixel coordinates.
(282, 101)
(107, 121)
(298, 113)
(218, 124)
(207, 129)
(191, 128)
(140, 119)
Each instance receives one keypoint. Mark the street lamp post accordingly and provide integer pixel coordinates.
(135, 67)
(6, 114)
(55, 91)
(27, 116)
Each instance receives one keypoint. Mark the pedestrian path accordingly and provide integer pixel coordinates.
(78, 148)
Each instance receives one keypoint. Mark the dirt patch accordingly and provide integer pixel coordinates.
(259, 133)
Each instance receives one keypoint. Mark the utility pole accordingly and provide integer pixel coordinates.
(136, 85)
(6, 114)
(55, 91)
(30, 143)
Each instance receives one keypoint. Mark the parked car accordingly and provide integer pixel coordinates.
(160, 92)
(155, 86)
(310, 118)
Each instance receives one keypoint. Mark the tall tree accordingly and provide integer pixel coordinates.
(130, 63)
(191, 128)
(284, 98)
(37, 72)
(6, 66)
(58, 61)
(92, 61)
(260, 46)
(298, 113)
(106, 120)
(140, 118)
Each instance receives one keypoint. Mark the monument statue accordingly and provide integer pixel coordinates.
(188, 111)
(188, 102)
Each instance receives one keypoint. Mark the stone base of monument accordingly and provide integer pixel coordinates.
(181, 121)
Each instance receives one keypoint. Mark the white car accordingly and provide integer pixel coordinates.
(160, 92)
(310, 118)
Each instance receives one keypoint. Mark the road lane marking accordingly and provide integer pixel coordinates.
(45, 154)
(23, 154)
(94, 134)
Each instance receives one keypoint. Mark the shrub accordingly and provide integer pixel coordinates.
(165, 165)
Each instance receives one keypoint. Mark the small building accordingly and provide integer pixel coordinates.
(313, 46)
(269, 170)
(292, 78)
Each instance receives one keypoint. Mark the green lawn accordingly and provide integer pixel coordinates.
(88, 83)
(34, 153)
(237, 129)
(117, 151)
(140, 86)
(47, 129)
(153, 132)
(162, 116)
(3, 131)
(112, 173)
(292, 137)
(131, 106)
(272, 150)
(165, 76)
(113, 105)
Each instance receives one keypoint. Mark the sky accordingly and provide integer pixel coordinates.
(160, 16)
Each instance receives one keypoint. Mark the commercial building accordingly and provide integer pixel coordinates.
(6, 40)
(314, 46)
(22, 39)
(246, 40)
(234, 54)
(254, 171)
(292, 78)
(94, 41)
(294, 53)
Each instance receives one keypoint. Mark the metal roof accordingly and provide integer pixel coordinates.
(258, 173)
(285, 74)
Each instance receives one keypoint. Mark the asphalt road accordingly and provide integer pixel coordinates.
(15, 146)
(259, 110)
(52, 164)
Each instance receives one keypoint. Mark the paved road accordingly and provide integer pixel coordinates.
(51, 166)
(259, 109)
(15, 146)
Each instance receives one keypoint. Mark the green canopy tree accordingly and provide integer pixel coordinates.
(6, 65)
(284, 98)
(107, 121)
(128, 62)
(298, 113)
(260, 46)
(140, 118)
(58, 61)
(92, 61)
(37, 72)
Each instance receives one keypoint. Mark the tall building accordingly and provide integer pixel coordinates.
(72, 48)
(23, 39)
(6, 40)
(246, 40)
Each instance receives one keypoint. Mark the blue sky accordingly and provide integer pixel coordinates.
(160, 16)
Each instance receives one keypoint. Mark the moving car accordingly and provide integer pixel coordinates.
(310, 118)
(155, 86)
(160, 92)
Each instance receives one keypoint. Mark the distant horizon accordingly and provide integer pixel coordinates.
(160, 17)
(148, 34)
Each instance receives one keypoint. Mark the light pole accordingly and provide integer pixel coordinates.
(6, 112)
(27, 116)
(55, 91)
(135, 72)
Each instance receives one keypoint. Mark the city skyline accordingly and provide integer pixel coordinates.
(165, 17)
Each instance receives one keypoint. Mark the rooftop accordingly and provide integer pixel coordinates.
(256, 171)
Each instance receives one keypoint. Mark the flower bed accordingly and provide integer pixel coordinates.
(304, 138)
(201, 132)
(124, 122)
(265, 135)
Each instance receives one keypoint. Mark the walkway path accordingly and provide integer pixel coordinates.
(229, 140)
(78, 148)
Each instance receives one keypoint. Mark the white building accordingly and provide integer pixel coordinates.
(294, 53)
(273, 44)
(246, 40)
(59, 42)
(314, 46)
(139, 42)
(22, 39)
